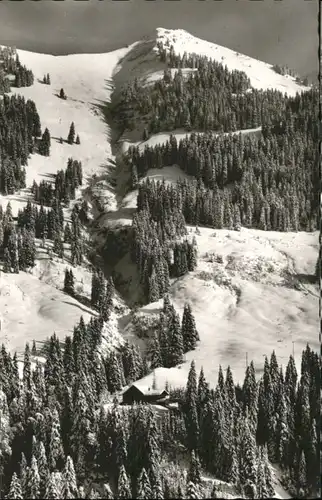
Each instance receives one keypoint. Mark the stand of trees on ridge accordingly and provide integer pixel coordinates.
(20, 129)
(269, 180)
(12, 72)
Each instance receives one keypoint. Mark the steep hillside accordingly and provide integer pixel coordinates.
(34, 306)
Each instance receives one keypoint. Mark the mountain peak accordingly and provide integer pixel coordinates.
(262, 75)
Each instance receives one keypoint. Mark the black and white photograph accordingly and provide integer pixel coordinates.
(160, 261)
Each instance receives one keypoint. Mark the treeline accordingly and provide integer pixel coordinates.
(10, 65)
(17, 247)
(270, 181)
(102, 292)
(238, 81)
(193, 61)
(208, 98)
(19, 129)
(59, 441)
(34, 222)
(157, 246)
(64, 187)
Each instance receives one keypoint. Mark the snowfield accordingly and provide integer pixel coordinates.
(248, 305)
(32, 309)
(87, 82)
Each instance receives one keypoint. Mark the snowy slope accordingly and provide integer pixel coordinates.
(32, 306)
(87, 81)
(261, 74)
(248, 305)
(142, 62)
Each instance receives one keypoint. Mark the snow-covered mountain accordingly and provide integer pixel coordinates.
(266, 316)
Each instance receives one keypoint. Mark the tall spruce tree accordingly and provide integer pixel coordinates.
(123, 485)
(71, 134)
(15, 491)
(189, 330)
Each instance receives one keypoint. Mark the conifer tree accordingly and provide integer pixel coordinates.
(33, 349)
(62, 94)
(247, 466)
(6, 261)
(203, 393)
(71, 134)
(24, 470)
(120, 447)
(56, 452)
(194, 474)
(15, 492)
(69, 489)
(301, 476)
(192, 491)
(77, 139)
(154, 292)
(67, 234)
(175, 352)
(69, 282)
(143, 486)
(42, 468)
(250, 394)
(191, 415)
(123, 485)
(261, 480)
(230, 389)
(107, 492)
(52, 492)
(26, 377)
(45, 143)
(192, 255)
(34, 479)
(189, 330)
(155, 352)
(157, 490)
(114, 374)
(233, 471)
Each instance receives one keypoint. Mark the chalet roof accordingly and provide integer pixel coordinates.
(146, 391)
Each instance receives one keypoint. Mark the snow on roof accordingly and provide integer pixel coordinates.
(147, 391)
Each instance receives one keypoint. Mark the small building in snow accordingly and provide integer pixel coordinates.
(135, 394)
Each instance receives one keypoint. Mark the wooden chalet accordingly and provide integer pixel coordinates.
(135, 394)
